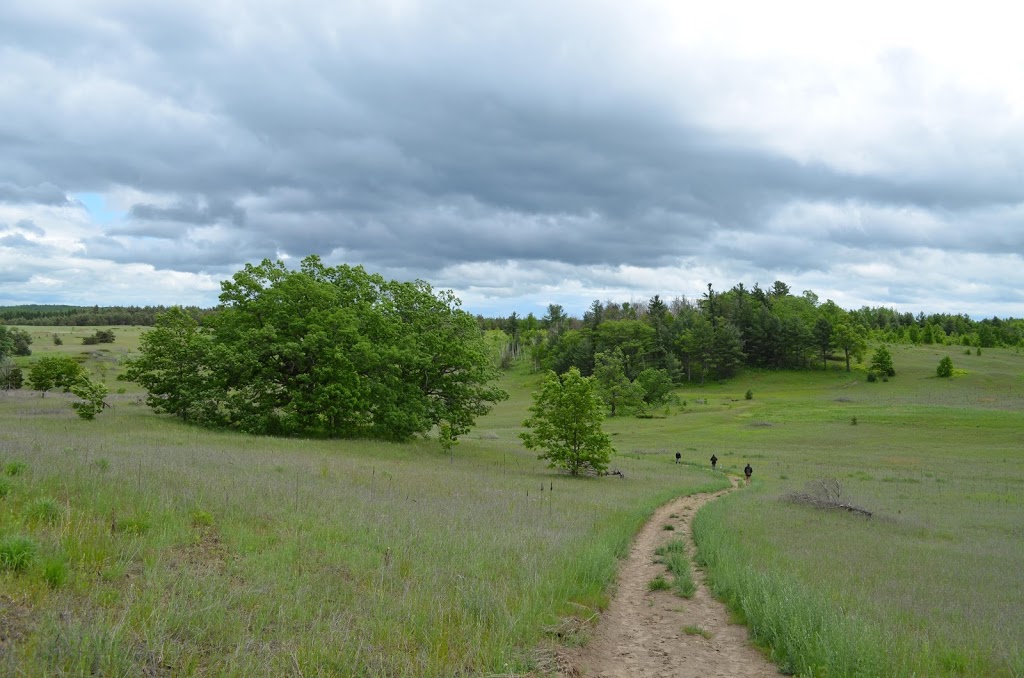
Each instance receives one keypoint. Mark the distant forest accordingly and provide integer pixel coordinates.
(720, 332)
(85, 316)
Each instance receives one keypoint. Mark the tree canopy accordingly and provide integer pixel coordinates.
(321, 351)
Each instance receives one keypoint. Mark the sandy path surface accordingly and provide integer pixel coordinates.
(641, 633)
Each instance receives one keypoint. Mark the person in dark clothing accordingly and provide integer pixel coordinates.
(678, 457)
(714, 460)
(747, 471)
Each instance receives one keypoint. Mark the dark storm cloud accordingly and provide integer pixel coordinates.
(419, 137)
(40, 194)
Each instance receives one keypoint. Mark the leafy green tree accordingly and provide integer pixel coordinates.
(634, 338)
(850, 337)
(92, 394)
(881, 362)
(175, 366)
(945, 368)
(14, 341)
(566, 424)
(614, 387)
(321, 351)
(54, 371)
(656, 386)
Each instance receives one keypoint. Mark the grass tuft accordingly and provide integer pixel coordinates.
(693, 630)
(17, 552)
(44, 510)
(659, 583)
(15, 467)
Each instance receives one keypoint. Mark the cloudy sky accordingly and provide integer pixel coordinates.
(520, 153)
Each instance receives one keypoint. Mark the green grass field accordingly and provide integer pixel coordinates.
(160, 549)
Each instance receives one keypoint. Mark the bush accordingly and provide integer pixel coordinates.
(749, 395)
(945, 368)
(57, 341)
(872, 377)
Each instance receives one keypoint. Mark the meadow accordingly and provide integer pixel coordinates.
(161, 549)
(167, 549)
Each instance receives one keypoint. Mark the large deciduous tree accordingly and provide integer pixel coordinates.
(566, 424)
(322, 351)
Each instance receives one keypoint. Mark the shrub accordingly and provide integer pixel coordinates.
(57, 341)
(872, 377)
(945, 368)
(17, 553)
(749, 395)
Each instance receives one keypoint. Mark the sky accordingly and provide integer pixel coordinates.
(519, 153)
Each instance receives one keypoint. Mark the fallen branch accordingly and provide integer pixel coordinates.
(825, 493)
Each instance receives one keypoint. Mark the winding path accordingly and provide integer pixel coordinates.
(641, 633)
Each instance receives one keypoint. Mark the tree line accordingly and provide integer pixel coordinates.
(85, 316)
(711, 337)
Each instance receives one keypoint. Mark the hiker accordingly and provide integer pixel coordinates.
(714, 460)
(678, 457)
(747, 471)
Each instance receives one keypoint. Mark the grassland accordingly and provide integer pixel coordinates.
(184, 551)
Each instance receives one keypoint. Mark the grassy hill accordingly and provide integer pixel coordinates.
(162, 549)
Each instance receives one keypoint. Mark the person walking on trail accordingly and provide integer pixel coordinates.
(714, 460)
(678, 457)
(747, 471)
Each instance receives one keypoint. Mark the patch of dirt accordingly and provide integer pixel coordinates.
(641, 633)
(15, 622)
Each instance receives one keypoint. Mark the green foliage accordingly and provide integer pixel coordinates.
(55, 572)
(14, 341)
(5, 487)
(881, 362)
(616, 390)
(11, 377)
(945, 368)
(99, 337)
(327, 352)
(17, 552)
(201, 518)
(659, 583)
(566, 424)
(749, 395)
(57, 341)
(54, 371)
(44, 510)
(92, 394)
(656, 385)
(694, 630)
(15, 467)
(872, 377)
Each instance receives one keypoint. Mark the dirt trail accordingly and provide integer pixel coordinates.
(641, 633)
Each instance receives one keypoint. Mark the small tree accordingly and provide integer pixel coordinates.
(10, 375)
(92, 394)
(566, 424)
(945, 368)
(54, 371)
(881, 362)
